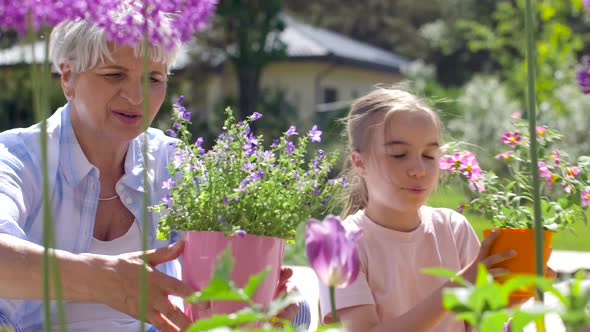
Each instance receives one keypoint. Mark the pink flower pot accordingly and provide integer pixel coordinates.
(251, 254)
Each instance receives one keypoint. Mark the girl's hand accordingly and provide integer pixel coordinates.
(470, 272)
(119, 287)
(285, 286)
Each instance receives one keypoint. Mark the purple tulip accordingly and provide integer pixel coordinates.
(332, 251)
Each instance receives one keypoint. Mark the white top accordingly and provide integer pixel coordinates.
(94, 317)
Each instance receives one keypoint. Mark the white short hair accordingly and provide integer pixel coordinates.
(83, 45)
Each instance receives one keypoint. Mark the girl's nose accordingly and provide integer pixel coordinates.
(417, 168)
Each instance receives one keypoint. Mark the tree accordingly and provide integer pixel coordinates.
(248, 33)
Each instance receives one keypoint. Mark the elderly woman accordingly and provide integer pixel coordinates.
(96, 180)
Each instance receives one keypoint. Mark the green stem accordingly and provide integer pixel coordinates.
(531, 110)
(146, 197)
(333, 304)
(39, 87)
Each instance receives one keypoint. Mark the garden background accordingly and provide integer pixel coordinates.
(466, 56)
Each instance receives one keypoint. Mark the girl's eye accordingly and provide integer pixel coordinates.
(429, 157)
(398, 156)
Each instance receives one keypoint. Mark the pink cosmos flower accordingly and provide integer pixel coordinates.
(572, 171)
(556, 157)
(541, 130)
(511, 137)
(505, 155)
(585, 197)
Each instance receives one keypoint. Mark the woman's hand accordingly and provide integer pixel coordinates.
(121, 288)
(470, 272)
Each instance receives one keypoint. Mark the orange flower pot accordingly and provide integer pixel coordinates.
(521, 240)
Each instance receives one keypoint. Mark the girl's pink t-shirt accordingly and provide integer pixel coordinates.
(391, 262)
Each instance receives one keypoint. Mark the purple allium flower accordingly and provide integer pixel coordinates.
(583, 73)
(291, 131)
(255, 116)
(332, 251)
(290, 147)
(315, 134)
(168, 184)
(241, 233)
(171, 133)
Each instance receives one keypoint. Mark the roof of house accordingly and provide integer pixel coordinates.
(306, 42)
(303, 42)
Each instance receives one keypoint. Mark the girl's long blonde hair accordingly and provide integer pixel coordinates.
(361, 118)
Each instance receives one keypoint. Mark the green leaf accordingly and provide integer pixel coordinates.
(447, 274)
(494, 321)
(223, 266)
(255, 281)
(281, 303)
(241, 317)
(456, 299)
(482, 276)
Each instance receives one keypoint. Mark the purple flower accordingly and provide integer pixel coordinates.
(179, 101)
(248, 166)
(332, 251)
(291, 131)
(171, 133)
(344, 182)
(275, 143)
(290, 147)
(241, 233)
(176, 126)
(258, 175)
(168, 184)
(255, 116)
(167, 200)
(225, 200)
(321, 154)
(583, 73)
(244, 183)
(199, 144)
(315, 134)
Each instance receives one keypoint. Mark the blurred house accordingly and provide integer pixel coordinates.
(323, 71)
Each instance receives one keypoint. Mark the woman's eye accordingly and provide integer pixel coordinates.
(155, 80)
(113, 75)
(429, 157)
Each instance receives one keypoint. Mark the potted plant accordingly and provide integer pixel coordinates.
(508, 200)
(242, 194)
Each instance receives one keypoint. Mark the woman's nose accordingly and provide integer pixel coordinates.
(133, 92)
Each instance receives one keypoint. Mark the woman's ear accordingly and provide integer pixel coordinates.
(358, 164)
(67, 80)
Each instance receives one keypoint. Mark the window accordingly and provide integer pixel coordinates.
(330, 95)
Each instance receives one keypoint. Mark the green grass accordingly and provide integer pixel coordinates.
(578, 240)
